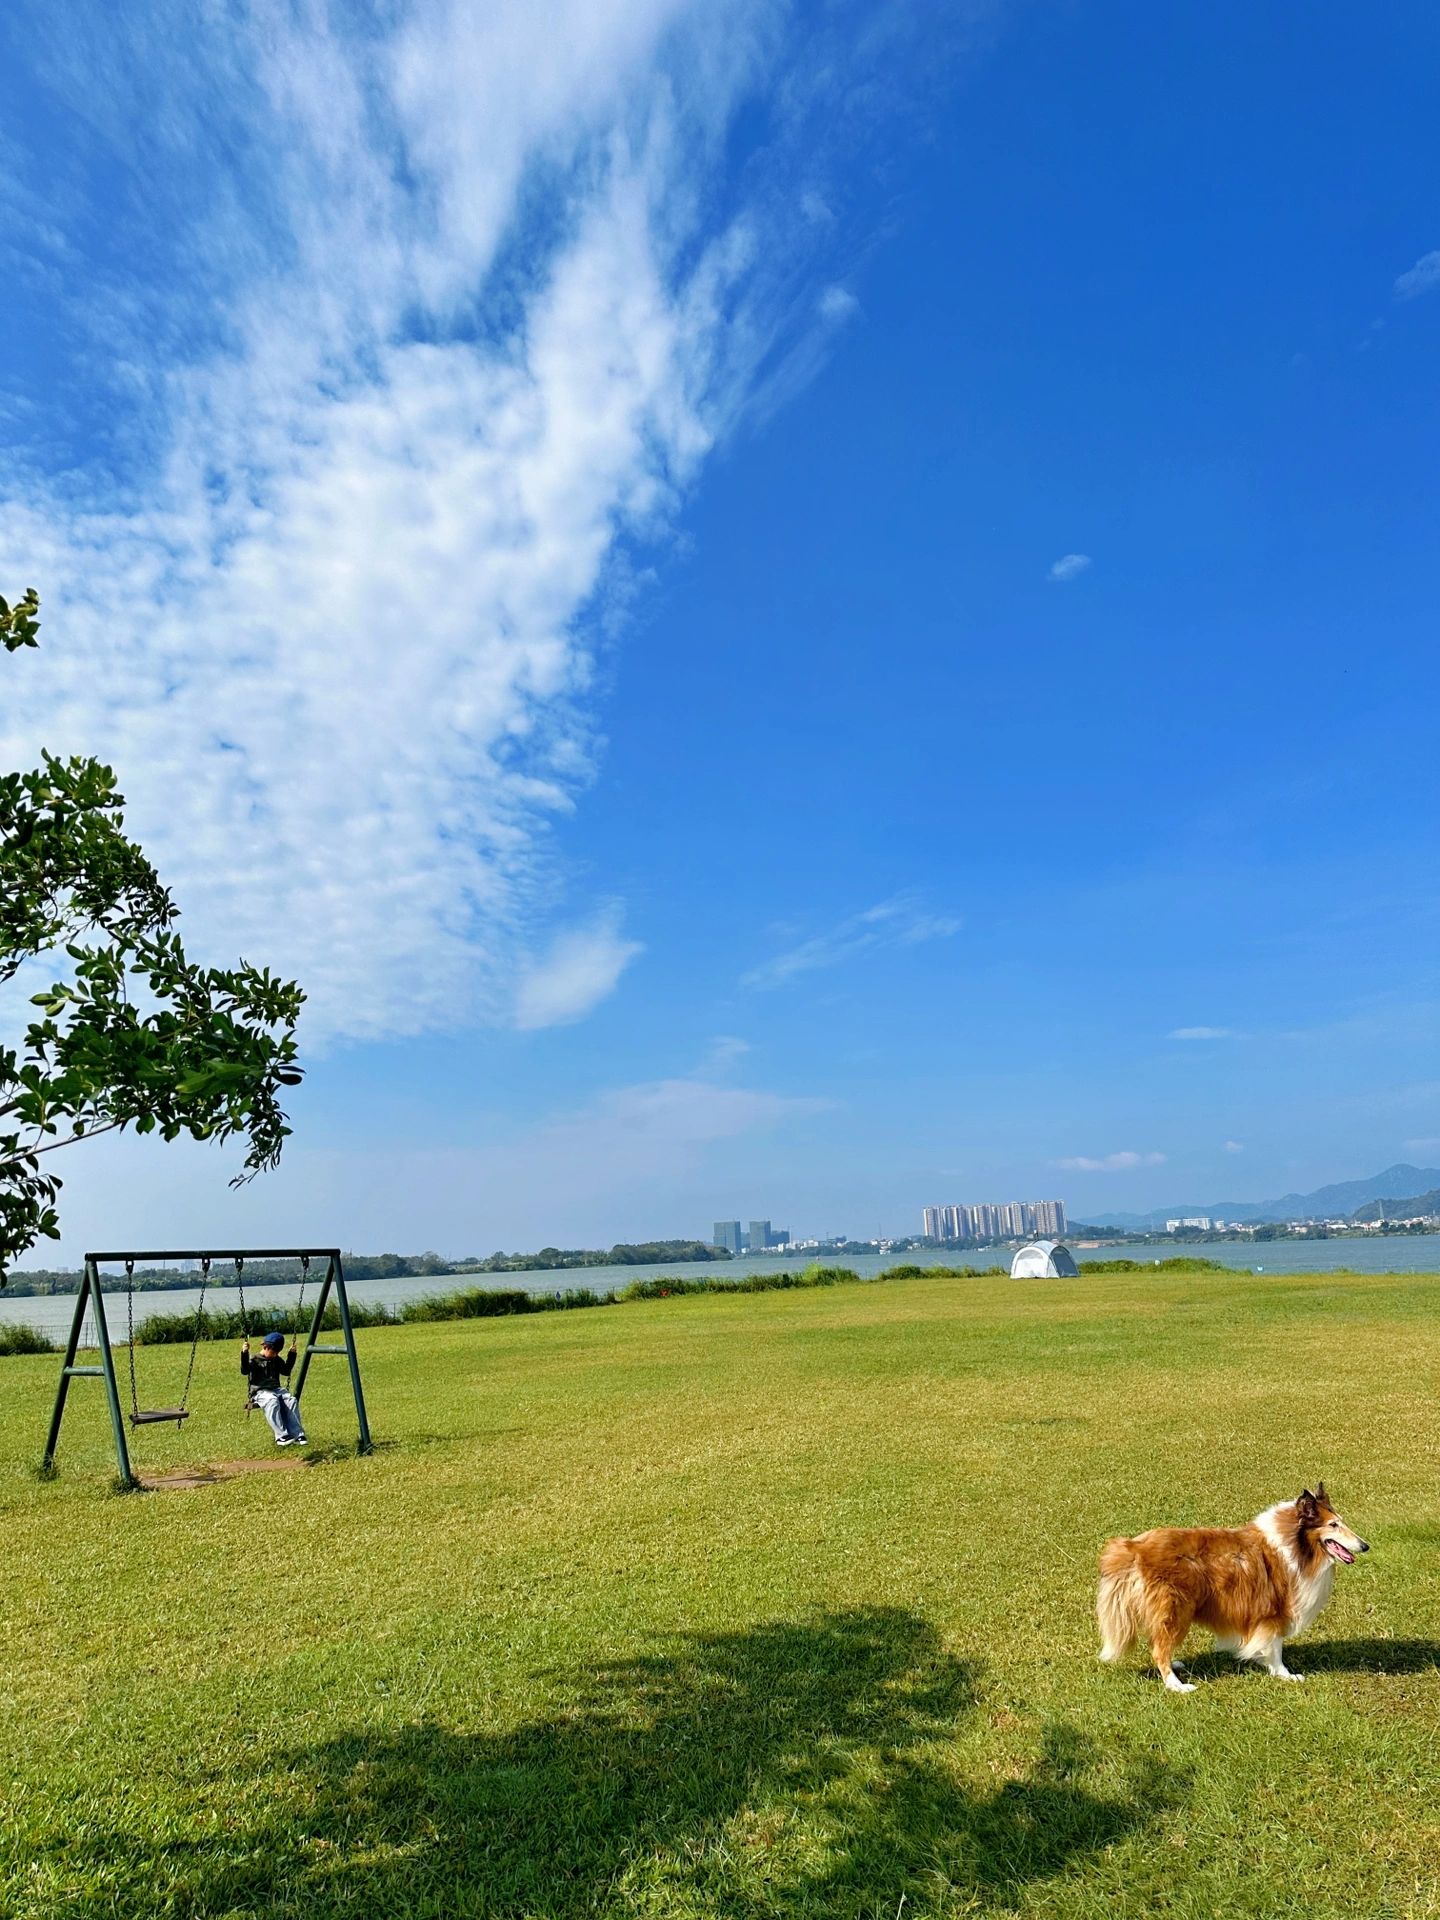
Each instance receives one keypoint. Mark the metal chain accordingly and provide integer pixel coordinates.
(199, 1324)
(300, 1303)
(129, 1328)
(245, 1329)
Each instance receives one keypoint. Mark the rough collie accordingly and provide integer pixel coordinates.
(1254, 1587)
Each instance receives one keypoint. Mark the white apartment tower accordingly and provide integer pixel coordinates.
(991, 1220)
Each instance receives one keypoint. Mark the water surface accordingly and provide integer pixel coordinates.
(275, 1304)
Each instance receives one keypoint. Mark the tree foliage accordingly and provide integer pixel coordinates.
(135, 1034)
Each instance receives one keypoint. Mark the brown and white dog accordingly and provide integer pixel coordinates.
(1254, 1587)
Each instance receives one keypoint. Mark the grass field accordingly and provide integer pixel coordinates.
(760, 1606)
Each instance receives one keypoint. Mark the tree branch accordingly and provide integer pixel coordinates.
(90, 1133)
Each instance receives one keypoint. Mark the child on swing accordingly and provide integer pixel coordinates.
(265, 1373)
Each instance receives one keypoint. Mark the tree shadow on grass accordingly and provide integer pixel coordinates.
(792, 1771)
(1319, 1656)
(1367, 1656)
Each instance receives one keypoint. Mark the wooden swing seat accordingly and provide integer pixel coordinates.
(150, 1416)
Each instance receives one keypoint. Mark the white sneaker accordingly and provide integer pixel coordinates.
(284, 1443)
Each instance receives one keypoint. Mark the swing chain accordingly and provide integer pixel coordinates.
(245, 1329)
(199, 1329)
(130, 1332)
(300, 1303)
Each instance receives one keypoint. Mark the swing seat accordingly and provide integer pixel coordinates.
(150, 1416)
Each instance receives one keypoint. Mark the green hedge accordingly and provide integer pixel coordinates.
(480, 1303)
(22, 1339)
(471, 1303)
(1175, 1263)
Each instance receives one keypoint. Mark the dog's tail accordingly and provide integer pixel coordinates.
(1119, 1603)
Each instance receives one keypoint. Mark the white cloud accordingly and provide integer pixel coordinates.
(836, 304)
(898, 922)
(1070, 566)
(1423, 277)
(1110, 1162)
(449, 333)
(1234, 1146)
(581, 968)
(1200, 1033)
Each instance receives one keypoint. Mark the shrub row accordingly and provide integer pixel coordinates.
(480, 1303)
(472, 1303)
(1174, 1263)
(21, 1339)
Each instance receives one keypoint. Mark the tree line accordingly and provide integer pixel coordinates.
(42, 1281)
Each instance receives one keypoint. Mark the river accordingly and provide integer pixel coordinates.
(1392, 1253)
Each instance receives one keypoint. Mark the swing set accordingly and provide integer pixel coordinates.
(91, 1296)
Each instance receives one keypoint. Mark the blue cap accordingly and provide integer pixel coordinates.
(273, 1340)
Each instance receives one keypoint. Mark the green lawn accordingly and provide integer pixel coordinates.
(764, 1606)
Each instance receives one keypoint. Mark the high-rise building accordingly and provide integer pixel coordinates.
(990, 1220)
(727, 1235)
(759, 1236)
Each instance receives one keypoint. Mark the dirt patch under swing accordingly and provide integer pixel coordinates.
(218, 1471)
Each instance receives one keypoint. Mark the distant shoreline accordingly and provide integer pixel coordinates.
(40, 1283)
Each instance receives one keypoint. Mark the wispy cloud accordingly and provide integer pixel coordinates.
(1070, 566)
(1423, 277)
(899, 922)
(1234, 1146)
(581, 968)
(1201, 1033)
(439, 317)
(836, 304)
(723, 1055)
(1110, 1162)
(1427, 1143)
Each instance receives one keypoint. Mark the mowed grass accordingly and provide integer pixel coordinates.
(763, 1606)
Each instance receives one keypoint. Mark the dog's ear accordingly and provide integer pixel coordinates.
(1307, 1505)
(1322, 1499)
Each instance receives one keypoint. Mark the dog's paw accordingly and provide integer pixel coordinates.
(1172, 1685)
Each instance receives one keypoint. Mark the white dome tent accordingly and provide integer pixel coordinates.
(1044, 1260)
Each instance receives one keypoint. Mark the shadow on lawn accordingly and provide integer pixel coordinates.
(1321, 1656)
(795, 1769)
(1367, 1656)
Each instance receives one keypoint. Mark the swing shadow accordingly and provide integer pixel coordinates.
(791, 1770)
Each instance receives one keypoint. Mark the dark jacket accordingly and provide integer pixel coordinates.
(265, 1371)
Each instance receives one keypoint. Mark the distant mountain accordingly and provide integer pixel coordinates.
(1326, 1203)
(1399, 1207)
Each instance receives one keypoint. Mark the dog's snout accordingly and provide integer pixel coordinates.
(1363, 1545)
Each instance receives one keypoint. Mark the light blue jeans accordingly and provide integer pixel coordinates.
(282, 1410)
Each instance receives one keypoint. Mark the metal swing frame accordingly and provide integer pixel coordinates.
(92, 1294)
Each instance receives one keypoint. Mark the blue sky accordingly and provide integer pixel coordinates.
(795, 611)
